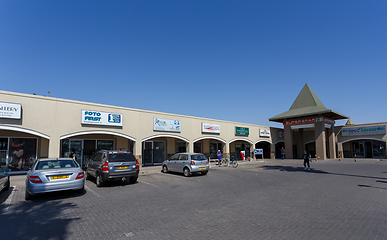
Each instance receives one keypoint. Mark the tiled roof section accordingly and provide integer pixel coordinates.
(307, 104)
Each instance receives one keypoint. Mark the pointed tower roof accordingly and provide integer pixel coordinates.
(307, 104)
(349, 122)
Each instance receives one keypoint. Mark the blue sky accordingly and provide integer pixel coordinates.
(243, 61)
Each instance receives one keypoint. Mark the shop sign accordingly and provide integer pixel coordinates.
(167, 125)
(210, 128)
(370, 130)
(241, 131)
(258, 151)
(101, 118)
(10, 110)
(309, 120)
(264, 133)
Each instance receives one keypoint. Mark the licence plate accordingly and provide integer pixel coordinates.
(60, 177)
(202, 168)
(126, 167)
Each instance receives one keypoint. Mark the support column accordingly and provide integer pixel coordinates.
(54, 147)
(226, 150)
(340, 149)
(138, 151)
(190, 147)
(272, 151)
(320, 141)
(302, 143)
(332, 142)
(288, 142)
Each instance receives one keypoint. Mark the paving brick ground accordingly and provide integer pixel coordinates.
(275, 199)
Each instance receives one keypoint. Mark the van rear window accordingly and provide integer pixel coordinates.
(121, 157)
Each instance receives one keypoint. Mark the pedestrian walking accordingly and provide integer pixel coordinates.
(282, 153)
(306, 161)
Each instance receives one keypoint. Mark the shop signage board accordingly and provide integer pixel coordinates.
(166, 125)
(210, 128)
(309, 120)
(258, 151)
(264, 133)
(10, 110)
(241, 131)
(101, 118)
(368, 130)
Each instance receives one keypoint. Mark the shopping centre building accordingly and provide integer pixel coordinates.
(34, 126)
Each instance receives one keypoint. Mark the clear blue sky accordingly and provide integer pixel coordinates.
(243, 61)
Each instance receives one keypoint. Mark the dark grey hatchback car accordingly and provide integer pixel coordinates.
(112, 165)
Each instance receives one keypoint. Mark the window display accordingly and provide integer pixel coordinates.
(22, 153)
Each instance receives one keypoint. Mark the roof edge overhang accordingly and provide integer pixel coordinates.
(288, 115)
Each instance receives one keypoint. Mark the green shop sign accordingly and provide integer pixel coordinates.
(241, 131)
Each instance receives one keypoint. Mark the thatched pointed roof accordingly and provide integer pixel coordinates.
(307, 104)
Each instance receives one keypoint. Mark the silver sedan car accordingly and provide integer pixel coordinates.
(50, 175)
(186, 163)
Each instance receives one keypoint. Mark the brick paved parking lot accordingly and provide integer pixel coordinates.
(259, 200)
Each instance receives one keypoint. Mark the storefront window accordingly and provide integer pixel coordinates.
(84, 148)
(358, 149)
(153, 152)
(105, 145)
(198, 147)
(3, 152)
(22, 153)
(214, 147)
(379, 149)
(181, 147)
(75, 145)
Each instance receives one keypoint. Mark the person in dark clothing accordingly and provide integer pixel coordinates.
(306, 161)
(72, 154)
(282, 153)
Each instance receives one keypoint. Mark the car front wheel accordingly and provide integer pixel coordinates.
(165, 169)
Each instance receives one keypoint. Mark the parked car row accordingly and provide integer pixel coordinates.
(50, 175)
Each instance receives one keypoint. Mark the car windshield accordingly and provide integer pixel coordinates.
(56, 164)
(198, 157)
(122, 157)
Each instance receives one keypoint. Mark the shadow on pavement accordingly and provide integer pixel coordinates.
(367, 186)
(193, 175)
(292, 169)
(38, 219)
(301, 169)
(5, 194)
(112, 183)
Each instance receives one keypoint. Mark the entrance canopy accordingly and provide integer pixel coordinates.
(308, 112)
(307, 104)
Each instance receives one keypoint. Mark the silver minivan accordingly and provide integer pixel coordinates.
(186, 163)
